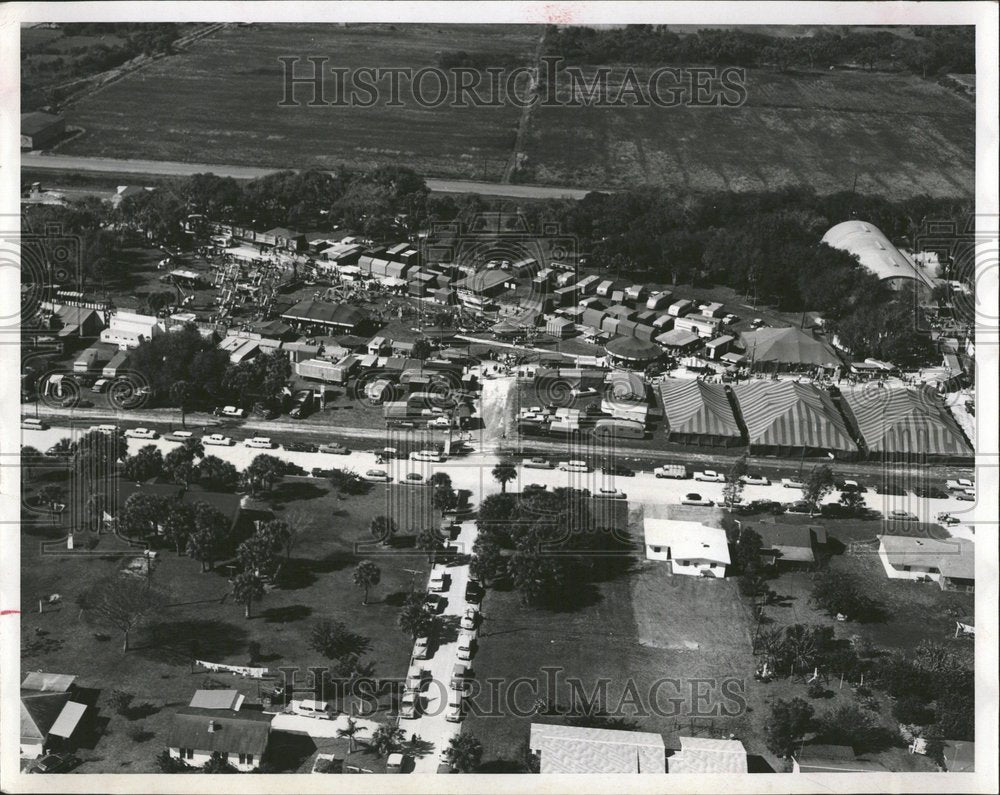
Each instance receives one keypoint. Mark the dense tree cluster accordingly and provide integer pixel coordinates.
(931, 50)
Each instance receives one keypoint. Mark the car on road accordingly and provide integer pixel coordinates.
(474, 592)
(464, 646)
(421, 648)
(538, 463)
(969, 495)
(959, 484)
(231, 411)
(54, 763)
(217, 440)
(100, 385)
(574, 466)
(901, 516)
(334, 448)
(695, 499)
(33, 424)
(710, 476)
(142, 433)
(260, 442)
(792, 483)
(755, 480)
(378, 475)
(675, 471)
(178, 436)
(408, 708)
(301, 447)
(427, 455)
(414, 479)
(439, 582)
(619, 470)
(611, 494)
(947, 518)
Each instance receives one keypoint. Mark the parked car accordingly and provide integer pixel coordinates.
(619, 470)
(676, 471)
(454, 713)
(931, 492)
(585, 391)
(320, 472)
(302, 404)
(959, 484)
(696, 499)
(947, 518)
(729, 319)
(439, 582)
(261, 442)
(334, 448)
(852, 486)
(231, 411)
(178, 436)
(301, 447)
(458, 676)
(439, 422)
(710, 476)
(378, 475)
(408, 705)
(414, 479)
(611, 494)
(216, 439)
(142, 433)
(54, 763)
(799, 506)
(427, 455)
(574, 466)
(474, 592)
(311, 708)
(792, 483)
(470, 619)
(901, 516)
(435, 602)
(33, 424)
(755, 480)
(76, 402)
(969, 495)
(538, 463)
(465, 644)
(398, 763)
(421, 648)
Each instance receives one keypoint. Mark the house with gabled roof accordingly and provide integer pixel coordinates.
(49, 715)
(578, 749)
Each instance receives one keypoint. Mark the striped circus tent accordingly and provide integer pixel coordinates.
(786, 418)
(696, 412)
(911, 422)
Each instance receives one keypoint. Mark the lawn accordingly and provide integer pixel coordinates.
(819, 130)
(217, 102)
(317, 584)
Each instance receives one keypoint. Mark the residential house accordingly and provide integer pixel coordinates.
(701, 755)
(788, 545)
(691, 547)
(216, 723)
(950, 562)
(49, 715)
(577, 749)
(833, 759)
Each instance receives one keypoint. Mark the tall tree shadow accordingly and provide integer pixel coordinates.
(180, 641)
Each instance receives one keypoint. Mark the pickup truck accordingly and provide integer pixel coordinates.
(676, 471)
(710, 476)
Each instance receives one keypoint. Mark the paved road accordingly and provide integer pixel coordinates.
(171, 168)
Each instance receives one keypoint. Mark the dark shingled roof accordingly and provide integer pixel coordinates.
(235, 732)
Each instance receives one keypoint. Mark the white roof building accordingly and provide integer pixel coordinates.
(692, 548)
(575, 749)
(129, 330)
(708, 755)
(876, 253)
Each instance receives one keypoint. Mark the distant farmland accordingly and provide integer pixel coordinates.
(217, 102)
(898, 134)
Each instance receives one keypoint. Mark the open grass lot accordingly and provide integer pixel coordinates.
(901, 136)
(218, 103)
(637, 625)
(317, 584)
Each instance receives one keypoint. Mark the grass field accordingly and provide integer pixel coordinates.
(218, 103)
(897, 134)
(317, 584)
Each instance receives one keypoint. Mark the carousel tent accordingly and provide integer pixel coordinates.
(788, 418)
(788, 346)
(696, 412)
(905, 422)
(633, 350)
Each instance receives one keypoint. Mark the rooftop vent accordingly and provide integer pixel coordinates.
(212, 727)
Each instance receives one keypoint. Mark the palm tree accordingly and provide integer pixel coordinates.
(504, 472)
(770, 641)
(386, 739)
(464, 753)
(247, 587)
(382, 529)
(180, 391)
(367, 576)
(350, 732)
